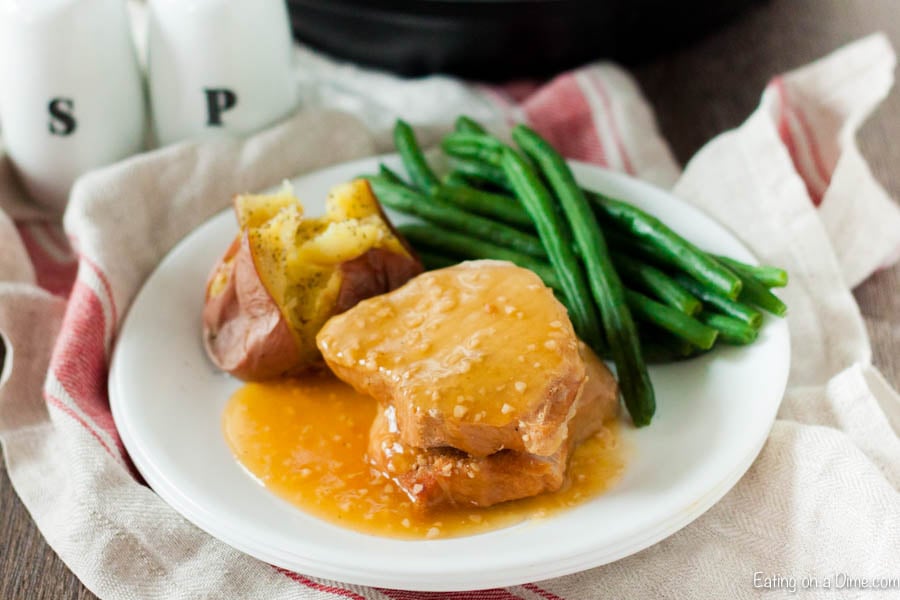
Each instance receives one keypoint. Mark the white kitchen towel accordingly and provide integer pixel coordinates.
(820, 501)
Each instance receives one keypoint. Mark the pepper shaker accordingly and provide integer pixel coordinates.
(71, 93)
(218, 66)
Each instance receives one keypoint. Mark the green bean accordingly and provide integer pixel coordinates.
(654, 281)
(473, 146)
(622, 243)
(457, 178)
(754, 292)
(731, 331)
(433, 260)
(441, 240)
(390, 175)
(677, 347)
(758, 294)
(411, 202)
(635, 248)
(769, 276)
(605, 285)
(468, 125)
(672, 320)
(413, 159)
(659, 354)
(484, 203)
(688, 257)
(736, 310)
(482, 172)
(539, 204)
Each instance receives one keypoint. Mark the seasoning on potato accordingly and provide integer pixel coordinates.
(286, 273)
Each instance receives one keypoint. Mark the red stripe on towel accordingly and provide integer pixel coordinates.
(50, 399)
(541, 592)
(57, 236)
(560, 112)
(319, 587)
(79, 358)
(804, 135)
(599, 85)
(518, 91)
(814, 147)
(54, 271)
(104, 281)
(491, 594)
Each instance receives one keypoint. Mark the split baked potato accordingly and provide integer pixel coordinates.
(285, 274)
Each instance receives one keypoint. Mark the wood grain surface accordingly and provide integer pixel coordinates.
(697, 92)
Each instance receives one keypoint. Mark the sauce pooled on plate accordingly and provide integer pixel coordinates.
(306, 440)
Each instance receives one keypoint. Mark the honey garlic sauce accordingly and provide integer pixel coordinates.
(479, 356)
(305, 440)
(426, 339)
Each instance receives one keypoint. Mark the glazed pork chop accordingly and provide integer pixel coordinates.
(479, 357)
(445, 475)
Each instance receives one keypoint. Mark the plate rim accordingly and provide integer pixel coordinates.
(427, 581)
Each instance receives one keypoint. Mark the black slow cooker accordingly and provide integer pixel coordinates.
(501, 39)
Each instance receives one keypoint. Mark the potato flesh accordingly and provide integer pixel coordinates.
(482, 343)
(253, 210)
(298, 258)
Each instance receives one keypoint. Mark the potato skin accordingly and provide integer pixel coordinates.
(378, 271)
(244, 331)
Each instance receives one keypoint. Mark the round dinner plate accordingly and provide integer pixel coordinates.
(714, 413)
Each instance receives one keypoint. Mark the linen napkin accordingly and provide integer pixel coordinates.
(821, 501)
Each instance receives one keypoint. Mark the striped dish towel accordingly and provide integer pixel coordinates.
(790, 182)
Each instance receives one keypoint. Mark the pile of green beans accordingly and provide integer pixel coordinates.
(605, 286)
(636, 291)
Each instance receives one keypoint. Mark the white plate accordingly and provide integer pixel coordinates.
(714, 413)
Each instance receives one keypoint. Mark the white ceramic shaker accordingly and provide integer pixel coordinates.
(218, 66)
(71, 94)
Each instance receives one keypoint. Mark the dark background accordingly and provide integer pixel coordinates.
(702, 89)
(502, 39)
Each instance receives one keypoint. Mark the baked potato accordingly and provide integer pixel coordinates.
(285, 274)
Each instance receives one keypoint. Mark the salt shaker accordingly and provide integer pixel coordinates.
(218, 66)
(71, 93)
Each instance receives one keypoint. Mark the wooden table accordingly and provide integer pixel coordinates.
(697, 92)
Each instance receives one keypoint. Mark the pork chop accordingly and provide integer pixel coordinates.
(444, 475)
(479, 357)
